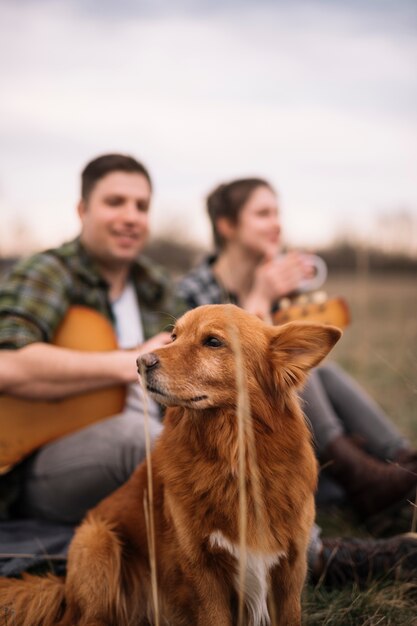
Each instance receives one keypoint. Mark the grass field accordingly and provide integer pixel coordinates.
(380, 350)
(380, 346)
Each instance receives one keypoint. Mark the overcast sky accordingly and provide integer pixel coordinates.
(319, 96)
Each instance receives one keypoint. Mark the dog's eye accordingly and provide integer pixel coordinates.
(173, 336)
(212, 342)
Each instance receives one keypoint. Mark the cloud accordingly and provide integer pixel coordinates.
(400, 15)
(320, 96)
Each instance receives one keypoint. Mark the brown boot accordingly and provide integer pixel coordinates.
(406, 458)
(371, 484)
(361, 561)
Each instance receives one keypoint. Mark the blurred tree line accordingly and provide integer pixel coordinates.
(348, 257)
(390, 248)
(342, 256)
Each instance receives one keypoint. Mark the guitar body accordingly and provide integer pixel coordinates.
(26, 425)
(334, 311)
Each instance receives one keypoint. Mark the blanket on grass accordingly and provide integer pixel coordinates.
(33, 545)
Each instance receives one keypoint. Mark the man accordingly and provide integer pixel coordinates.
(100, 269)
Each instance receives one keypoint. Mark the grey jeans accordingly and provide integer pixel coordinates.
(336, 405)
(71, 475)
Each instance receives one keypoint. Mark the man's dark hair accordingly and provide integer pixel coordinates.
(105, 164)
(227, 201)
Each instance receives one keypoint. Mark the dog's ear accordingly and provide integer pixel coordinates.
(297, 347)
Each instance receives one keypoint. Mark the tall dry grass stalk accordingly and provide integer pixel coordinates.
(414, 518)
(248, 467)
(243, 415)
(148, 501)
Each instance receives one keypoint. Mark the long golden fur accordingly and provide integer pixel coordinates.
(195, 470)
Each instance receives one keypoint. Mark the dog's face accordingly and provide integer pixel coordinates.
(198, 369)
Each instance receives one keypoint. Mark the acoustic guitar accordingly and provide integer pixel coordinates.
(26, 425)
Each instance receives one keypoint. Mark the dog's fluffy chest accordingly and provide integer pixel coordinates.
(256, 578)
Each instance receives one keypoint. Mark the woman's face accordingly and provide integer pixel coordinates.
(258, 229)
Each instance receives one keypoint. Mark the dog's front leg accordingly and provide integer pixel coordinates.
(214, 603)
(209, 615)
(287, 581)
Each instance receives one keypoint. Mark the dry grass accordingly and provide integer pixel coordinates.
(148, 501)
(380, 605)
(248, 469)
(380, 350)
(380, 347)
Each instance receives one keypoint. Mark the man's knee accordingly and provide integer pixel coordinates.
(69, 476)
(118, 444)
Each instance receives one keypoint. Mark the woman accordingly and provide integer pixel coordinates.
(249, 270)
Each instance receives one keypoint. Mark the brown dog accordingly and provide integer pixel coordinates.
(195, 469)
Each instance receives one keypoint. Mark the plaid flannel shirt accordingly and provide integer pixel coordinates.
(38, 291)
(200, 286)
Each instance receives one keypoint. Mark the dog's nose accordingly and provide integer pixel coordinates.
(147, 361)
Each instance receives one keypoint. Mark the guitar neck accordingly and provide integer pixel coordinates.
(334, 311)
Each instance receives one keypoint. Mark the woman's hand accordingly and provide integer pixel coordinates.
(280, 276)
(274, 279)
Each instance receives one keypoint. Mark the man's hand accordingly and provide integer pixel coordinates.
(123, 362)
(159, 340)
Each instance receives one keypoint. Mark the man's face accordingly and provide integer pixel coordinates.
(114, 218)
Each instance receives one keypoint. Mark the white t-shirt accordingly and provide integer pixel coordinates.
(129, 331)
